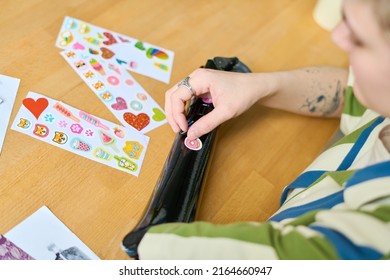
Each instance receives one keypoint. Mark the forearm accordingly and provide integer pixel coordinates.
(314, 91)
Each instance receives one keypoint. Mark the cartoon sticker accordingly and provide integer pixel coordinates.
(126, 163)
(24, 123)
(107, 140)
(133, 149)
(41, 130)
(80, 145)
(100, 153)
(99, 85)
(107, 96)
(60, 137)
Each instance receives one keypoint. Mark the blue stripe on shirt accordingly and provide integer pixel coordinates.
(322, 203)
(374, 171)
(303, 181)
(345, 248)
(350, 157)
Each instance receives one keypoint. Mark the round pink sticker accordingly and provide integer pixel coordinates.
(195, 144)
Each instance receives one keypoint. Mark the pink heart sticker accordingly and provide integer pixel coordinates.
(120, 104)
(78, 46)
(36, 107)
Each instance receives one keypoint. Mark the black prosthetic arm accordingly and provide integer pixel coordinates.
(177, 192)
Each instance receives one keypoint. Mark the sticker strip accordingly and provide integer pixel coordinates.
(87, 136)
(116, 49)
(118, 91)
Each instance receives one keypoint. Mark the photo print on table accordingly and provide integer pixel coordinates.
(44, 237)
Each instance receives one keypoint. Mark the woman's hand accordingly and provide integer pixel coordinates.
(231, 93)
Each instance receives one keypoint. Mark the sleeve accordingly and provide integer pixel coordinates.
(201, 240)
(325, 234)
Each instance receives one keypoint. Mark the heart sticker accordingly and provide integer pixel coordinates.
(111, 39)
(120, 104)
(139, 45)
(106, 53)
(137, 121)
(158, 115)
(36, 107)
(78, 46)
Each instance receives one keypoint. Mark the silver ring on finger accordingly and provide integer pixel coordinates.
(186, 83)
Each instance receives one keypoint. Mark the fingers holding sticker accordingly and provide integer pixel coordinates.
(194, 145)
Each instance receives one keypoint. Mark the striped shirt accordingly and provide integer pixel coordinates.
(338, 208)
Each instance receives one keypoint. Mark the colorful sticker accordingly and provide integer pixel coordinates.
(113, 80)
(194, 145)
(120, 104)
(99, 86)
(119, 132)
(24, 123)
(80, 145)
(92, 120)
(76, 128)
(126, 164)
(36, 107)
(65, 112)
(100, 153)
(136, 105)
(133, 149)
(41, 130)
(107, 96)
(66, 38)
(108, 140)
(89, 75)
(139, 121)
(97, 66)
(60, 137)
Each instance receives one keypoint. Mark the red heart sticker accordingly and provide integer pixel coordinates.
(111, 39)
(139, 121)
(36, 107)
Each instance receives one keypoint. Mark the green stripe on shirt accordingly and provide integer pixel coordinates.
(351, 105)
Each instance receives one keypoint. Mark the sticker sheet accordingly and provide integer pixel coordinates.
(81, 133)
(117, 49)
(118, 90)
(8, 89)
(44, 237)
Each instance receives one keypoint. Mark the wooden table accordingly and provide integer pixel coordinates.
(256, 155)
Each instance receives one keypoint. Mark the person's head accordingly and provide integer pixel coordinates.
(364, 33)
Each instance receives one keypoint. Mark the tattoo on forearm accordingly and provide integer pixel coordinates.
(325, 103)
